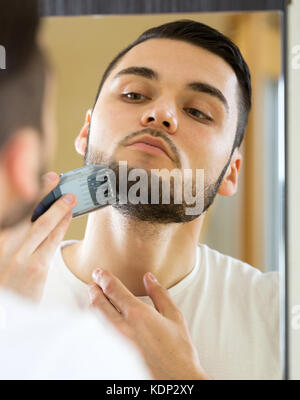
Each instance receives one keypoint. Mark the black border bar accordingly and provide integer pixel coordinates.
(102, 7)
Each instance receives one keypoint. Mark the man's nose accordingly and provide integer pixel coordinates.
(160, 117)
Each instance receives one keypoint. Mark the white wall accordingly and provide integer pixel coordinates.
(294, 187)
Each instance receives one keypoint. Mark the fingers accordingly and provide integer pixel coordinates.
(42, 228)
(115, 291)
(161, 298)
(47, 248)
(99, 301)
(27, 275)
(13, 238)
(35, 268)
(125, 301)
(50, 181)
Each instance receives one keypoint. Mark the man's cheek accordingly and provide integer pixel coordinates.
(101, 139)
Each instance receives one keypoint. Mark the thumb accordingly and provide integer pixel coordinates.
(160, 297)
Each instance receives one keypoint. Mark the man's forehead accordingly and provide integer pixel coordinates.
(180, 62)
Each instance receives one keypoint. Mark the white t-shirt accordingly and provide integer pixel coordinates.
(231, 308)
(62, 344)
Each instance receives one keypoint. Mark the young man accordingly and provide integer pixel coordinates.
(40, 345)
(178, 97)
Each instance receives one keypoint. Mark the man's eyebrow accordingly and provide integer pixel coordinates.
(209, 89)
(202, 87)
(140, 71)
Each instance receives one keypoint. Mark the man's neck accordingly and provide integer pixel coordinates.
(130, 248)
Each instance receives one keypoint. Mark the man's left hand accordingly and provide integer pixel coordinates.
(160, 334)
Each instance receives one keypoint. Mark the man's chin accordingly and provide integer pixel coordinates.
(155, 213)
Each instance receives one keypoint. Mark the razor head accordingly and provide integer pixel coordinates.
(93, 185)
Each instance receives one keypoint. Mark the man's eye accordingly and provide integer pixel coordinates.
(132, 96)
(197, 114)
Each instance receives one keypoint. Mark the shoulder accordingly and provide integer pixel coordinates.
(243, 295)
(216, 260)
(58, 351)
(236, 275)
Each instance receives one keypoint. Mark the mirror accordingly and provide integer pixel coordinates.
(247, 226)
(293, 166)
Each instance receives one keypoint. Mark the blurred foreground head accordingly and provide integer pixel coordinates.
(23, 110)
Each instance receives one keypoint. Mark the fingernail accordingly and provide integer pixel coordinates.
(50, 176)
(152, 277)
(96, 274)
(68, 198)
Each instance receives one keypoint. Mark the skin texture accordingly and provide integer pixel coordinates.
(126, 248)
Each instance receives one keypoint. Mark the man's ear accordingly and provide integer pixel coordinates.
(21, 162)
(229, 183)
(81, 139)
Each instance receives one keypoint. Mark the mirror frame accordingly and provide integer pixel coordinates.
(50, 8)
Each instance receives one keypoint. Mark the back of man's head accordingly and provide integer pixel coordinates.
(22, 80)
(22, 107)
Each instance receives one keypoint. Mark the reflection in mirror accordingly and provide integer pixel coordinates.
(232, 310)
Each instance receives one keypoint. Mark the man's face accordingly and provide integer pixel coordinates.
(183, 95)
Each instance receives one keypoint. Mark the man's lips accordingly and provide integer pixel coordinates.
(151, 145)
